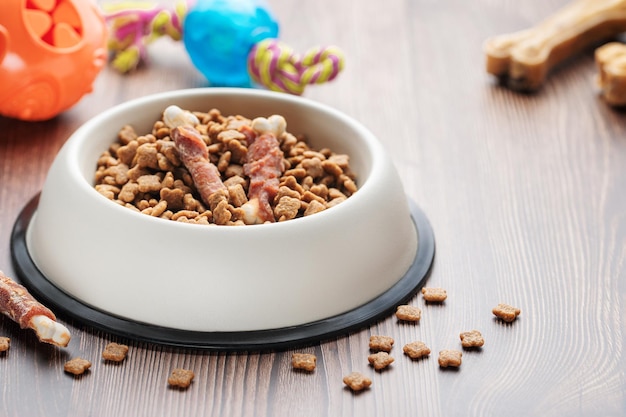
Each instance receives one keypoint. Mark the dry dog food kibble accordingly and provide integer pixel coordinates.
(506, 312)
(381, 343)
(450, 357)
(471, 339)
(408, 313)
(208, 168)
(5, 344)
(77, 366)
(180, 378)
(357, 381)
(380, 360)
(416, 350)
(115, 352)
(434, 295)
(304, 361)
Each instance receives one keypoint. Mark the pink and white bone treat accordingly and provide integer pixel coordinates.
(21, 307)
(264, 166)
(193, 152)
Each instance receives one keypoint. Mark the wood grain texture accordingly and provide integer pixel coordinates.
(525, 194)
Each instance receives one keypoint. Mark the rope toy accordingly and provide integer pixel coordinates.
(134, 27)
(232, 43)
(275, 65)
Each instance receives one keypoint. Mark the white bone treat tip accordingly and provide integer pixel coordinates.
(274, 124)
(50, 331)
(174, 116)
(251, 212)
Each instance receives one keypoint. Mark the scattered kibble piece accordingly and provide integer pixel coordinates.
(506, 312)
(408, 313)
(5, 344)
(381, 343)
(434, 295)
(450, 357)
(380, 360)
(472, 339)
(416, 350)
(357, 381)
(181, 378)
(77, 366)
(304, 361)
(115, 352)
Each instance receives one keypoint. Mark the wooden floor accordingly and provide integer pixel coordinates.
(526, 194)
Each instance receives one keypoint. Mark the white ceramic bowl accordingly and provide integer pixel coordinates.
(220, 278)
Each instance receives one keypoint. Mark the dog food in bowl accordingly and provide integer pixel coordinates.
(208, 168)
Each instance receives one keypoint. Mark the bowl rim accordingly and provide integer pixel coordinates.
(78, 140)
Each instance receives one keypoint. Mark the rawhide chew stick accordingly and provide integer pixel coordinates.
(20, 306)
(611, 63)
(193, 152)
(524, 58)
(264, 166)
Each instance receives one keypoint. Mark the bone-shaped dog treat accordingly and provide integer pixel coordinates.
(194, 154)
(193, 151)
(264, 166)
(19, 305)
(525, 58)
(611, 63)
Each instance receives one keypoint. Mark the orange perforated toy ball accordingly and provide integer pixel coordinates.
(51, 51)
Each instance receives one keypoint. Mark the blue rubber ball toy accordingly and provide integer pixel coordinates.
(219, 34)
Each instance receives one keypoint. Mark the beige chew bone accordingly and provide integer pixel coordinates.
(524, 58)
(611, 63)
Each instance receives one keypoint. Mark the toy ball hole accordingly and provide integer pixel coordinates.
(57, 24)
(44, 5)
